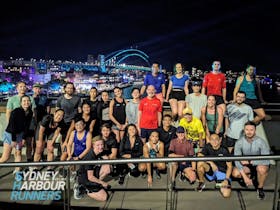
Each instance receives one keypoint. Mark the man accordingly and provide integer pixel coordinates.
(249, 84)
(14, 102)
(215, 84)
(196, 100)
(42, 103)
(181, 147)
(253, 172)
(167, 132)
(218, 171)
(194, 128)
(149, 114)
(90, 177)
(156, 79)
(237, 114)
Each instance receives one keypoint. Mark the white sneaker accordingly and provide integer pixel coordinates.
(77, 194)
(73, 176)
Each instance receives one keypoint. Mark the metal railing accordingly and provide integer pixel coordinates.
(67, 164)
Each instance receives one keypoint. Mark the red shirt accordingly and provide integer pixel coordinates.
(149, 109)
(181, 148)
(214, 83)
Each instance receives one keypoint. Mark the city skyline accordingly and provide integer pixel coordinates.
(194, 33)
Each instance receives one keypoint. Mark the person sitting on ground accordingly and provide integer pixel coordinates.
(181, 147)
(219, 171)
(252, 172)
(154, 148)
(90, 177)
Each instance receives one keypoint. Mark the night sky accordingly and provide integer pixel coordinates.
(195, 33)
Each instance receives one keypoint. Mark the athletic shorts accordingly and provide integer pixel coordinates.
(254, 103)
(7, 138)
(179, 95)
(219, 100)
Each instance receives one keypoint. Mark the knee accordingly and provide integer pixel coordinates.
(262, 170)
(236, 173)
(226, 193)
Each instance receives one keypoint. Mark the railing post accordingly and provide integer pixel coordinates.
(276, 194)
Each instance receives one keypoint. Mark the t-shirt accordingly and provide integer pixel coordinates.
(149, 109)
(166, 137)
(196, 103)
(70, 107)
(179, 83)
(193, 128)
(131, 110)
(214, 83)
(208, 151)
(156, 81)
(14, 102)
(184, 148)
(237, 115)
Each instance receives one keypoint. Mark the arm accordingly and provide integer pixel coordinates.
(163, 90)
(92, 178)
(259, 91)
(169, 89)
(91, 126)
(69, 146)
(159, 116)
(186, 87)
(8, 114)
(71, 128)
(160, 152)
(237, 87)
(142, 91)
(113, 154)
(224, 93)
(220, 120)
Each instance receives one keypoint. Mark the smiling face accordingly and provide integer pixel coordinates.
(21, 88)
(98, 146)
(154, 137)
(58, 115)
(215, 141)
(216, 66)
(250, 131)
(25, 102)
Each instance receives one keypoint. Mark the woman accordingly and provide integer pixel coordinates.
(16, 130)
(212, 118)
(117, 114)
(132, 107)
(131, 146)
(177, 91)
(103, 108)
(49, 129)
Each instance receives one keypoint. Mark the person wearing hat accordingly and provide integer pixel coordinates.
(194, 128)
(196, 100)
(181, 147)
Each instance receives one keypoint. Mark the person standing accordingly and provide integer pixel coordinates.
(214, 83)
(249, 84)
(157, 79)
(177, 91)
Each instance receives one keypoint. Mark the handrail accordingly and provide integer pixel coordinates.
(67, 200)
(140, 160)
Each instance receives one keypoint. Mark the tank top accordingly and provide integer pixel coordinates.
(79, 145)
(119, 111)
(249, 87)
(152, 152)
(212, 121)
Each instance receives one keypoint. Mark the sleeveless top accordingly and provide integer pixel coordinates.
(152, 152)
(79, 145)
(119, 111)
(212, 121)
(249, 87)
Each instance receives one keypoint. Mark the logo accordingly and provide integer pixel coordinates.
(39, 185)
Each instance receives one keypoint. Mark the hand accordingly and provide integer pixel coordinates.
(104, 184)
(225, 183)
(248, 181)
(245, 162)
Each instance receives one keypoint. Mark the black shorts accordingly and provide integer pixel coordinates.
(179, 95)
(93, 187)
(254, 103)
(219, 100)
(229, 142)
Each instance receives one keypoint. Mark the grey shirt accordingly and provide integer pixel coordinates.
(257, 147)
(237, 116)
(131, 110)
(70, 107)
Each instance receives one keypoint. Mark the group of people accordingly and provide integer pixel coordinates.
(93, 129)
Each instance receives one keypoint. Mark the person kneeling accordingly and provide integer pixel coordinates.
(219, 171)
(90, 177)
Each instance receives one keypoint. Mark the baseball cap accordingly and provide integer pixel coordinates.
(37, 85)
(196, 83)
(180, 129)
(187, 111)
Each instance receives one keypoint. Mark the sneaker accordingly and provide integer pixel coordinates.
(77, 194)
(172, 186)
(62, 173)
(182, 178)
(121, 179)
(200, 187)
(144, 175)
(158, 176)
(260, 193)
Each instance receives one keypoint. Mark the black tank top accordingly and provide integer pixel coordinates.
(119, 111)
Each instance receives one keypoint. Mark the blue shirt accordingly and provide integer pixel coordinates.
(179, 83)
(156, 81)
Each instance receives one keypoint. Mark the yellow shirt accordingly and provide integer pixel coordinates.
(193, 128)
